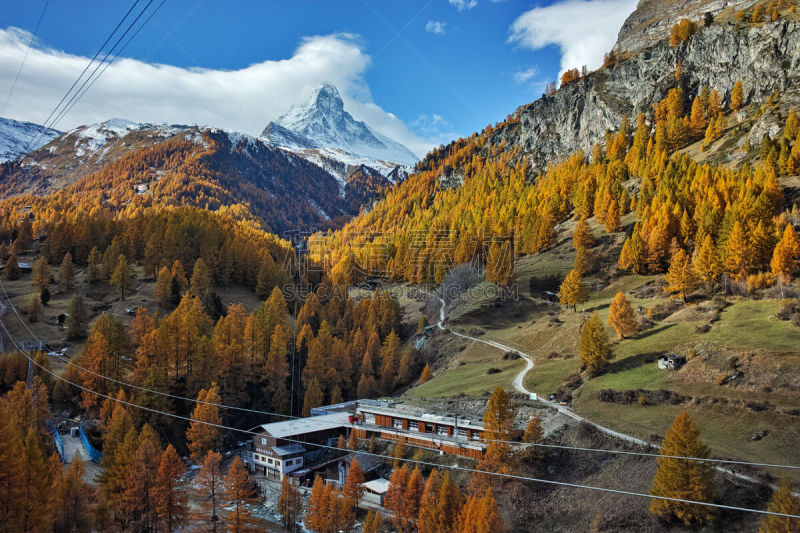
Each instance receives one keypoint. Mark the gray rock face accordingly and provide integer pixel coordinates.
(653, 19)
(766, 58)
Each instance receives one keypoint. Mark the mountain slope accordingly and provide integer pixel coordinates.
(321, 129)
(492, 185)
(125, 166)
(652, 20)
(766, 56)
(15, 136)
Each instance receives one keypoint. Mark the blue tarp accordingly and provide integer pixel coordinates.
(57, 440)
(94, 454)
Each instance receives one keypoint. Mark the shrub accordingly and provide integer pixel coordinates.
(762, 280)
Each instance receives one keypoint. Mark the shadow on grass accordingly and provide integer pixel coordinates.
(503, 314)
(629, 363)
(596, 308)
(653, 331)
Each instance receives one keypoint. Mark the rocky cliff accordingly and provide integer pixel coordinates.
(765, 56)
(653, 19)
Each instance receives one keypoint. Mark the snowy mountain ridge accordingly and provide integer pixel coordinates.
(15, 136)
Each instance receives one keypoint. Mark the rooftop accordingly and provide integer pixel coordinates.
(379, 485)
(302, 426)
(288, 449)
(400, 410)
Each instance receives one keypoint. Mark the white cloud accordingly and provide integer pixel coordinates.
(464, 5)
(524, 75)
(435, 127)
(244, 100)
(435, 27)
(584, 30)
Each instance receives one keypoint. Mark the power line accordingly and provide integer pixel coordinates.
(25, 57)
(414, 461)
(105, 65)
(516, 443)
(89, 64)
(127, 384)
(78, 94)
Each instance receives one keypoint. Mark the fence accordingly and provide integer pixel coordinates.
(56, 440)
(94, 454)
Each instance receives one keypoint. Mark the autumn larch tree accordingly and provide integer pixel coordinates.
(201, 283)
(681, 276)
(427, 521)
(738, 252)
(533, 431)
(783, 502)
(395, 496)
(93, 265)
(573, 291)
(66, 273)
(209, 487)
(784, 257)
(313, 397)
(34, 308)
(202, 434)
(41, 274)
(35, 485)
(290, 504)
(480, 515)
(11, 270)
(427, 374)
(737, 96)
(706, 261)
(318, 513)
(141, 509)
(612, 217)
(449, 503)
(411, 501)
(622, 317)
(122, 278)
(634, 253)
(681, 478)
(421, 325)
(595, 349)
(498, 419)
(353, 487)
(163, 290)
(582, 237)
(73, 499)
(238, 493)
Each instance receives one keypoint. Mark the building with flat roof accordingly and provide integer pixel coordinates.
(290, 446)
(281, 447)
(447, 434)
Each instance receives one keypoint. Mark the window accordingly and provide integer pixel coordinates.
(369, 418)
(442, 430)
(475, 436)
(264, 441)
(462, 433)
(278, 463)
(413, 426)
(397, 423)
(428, 428)
(269, 461)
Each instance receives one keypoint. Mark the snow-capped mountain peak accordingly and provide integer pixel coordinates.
(15, 137)
(323, 123)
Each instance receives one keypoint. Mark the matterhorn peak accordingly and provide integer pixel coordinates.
(322, 122)
(327, 93)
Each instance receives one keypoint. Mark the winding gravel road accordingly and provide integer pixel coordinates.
(519, 385)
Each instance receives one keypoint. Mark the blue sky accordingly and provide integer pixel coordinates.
(421, 71)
